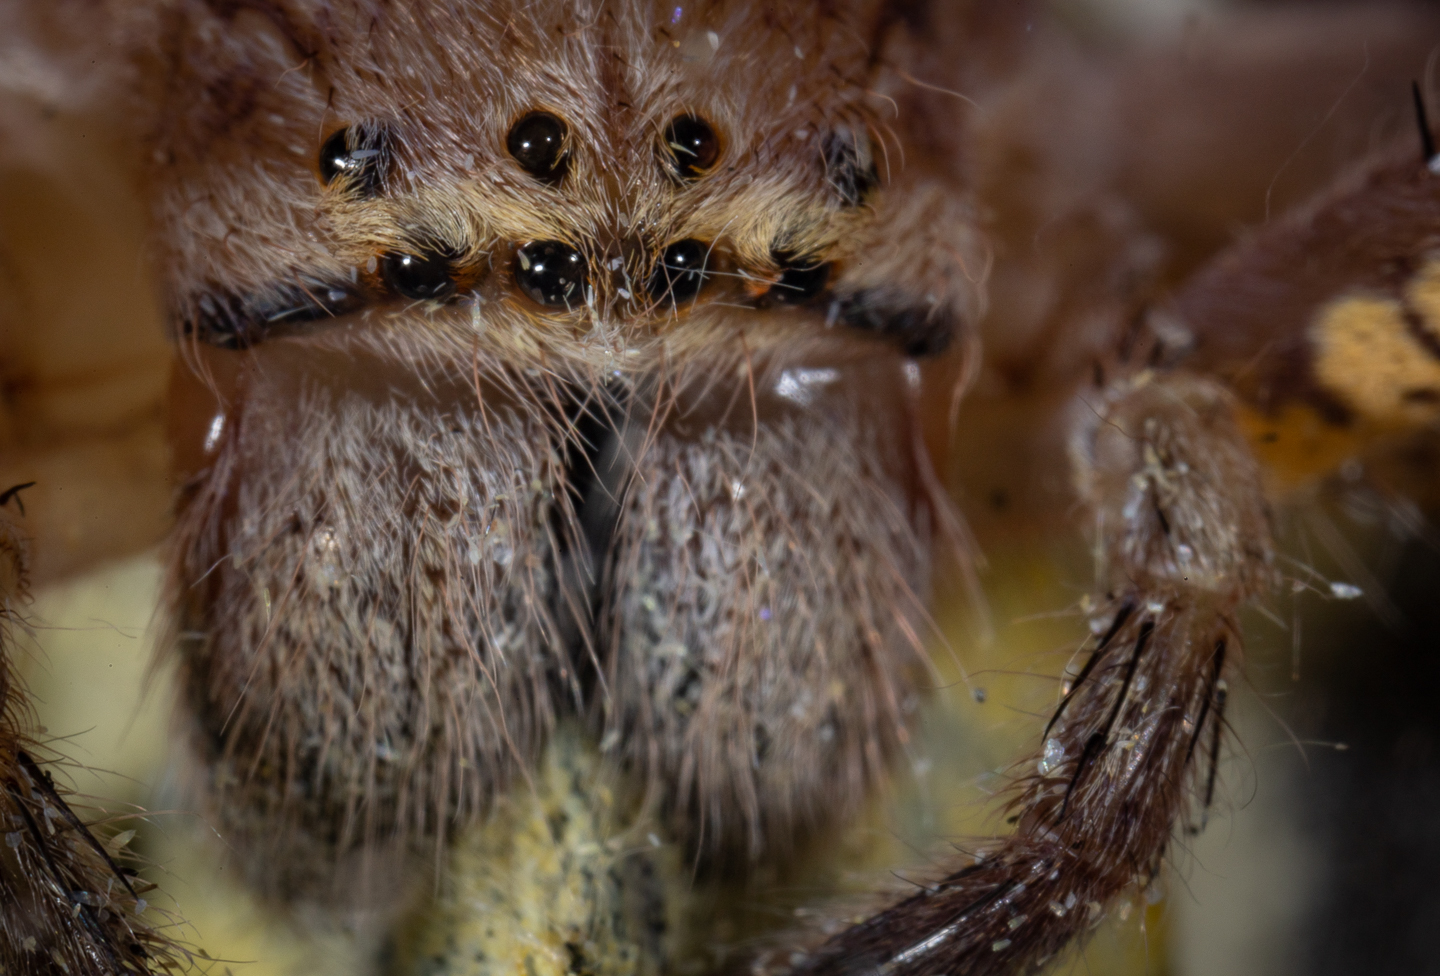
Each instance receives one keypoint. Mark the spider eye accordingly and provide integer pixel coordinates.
(359, 154)
(550, 272)
(538, 144)
(681, 273)
(419, 277)
(800, 280)
(692, 144)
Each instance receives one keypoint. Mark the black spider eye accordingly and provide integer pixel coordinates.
(419, 277)
(800, 280)
(551, 272)
(692, 144)
(538, 144)
(358, 153)
(681, 273)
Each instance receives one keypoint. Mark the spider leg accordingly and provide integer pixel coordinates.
(1098, 740)
(1215, 730)
(1121, 616)
(64, 902)
(1205, 709)
(1116, 768)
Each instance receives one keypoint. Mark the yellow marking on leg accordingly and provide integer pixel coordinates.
(1296, 446)
(1424, 296)
(1366, 355)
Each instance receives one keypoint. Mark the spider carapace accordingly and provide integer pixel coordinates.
(564, 403)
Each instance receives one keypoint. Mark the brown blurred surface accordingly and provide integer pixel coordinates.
(83, 358)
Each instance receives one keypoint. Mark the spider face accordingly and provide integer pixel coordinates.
(558, 432)
(590, 205)
(562, 397)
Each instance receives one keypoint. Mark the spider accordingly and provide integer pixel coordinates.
(576, 408)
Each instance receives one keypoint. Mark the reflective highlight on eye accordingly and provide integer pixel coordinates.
(681, 272)
(419, 277)
(693, 146)
(551, 272)
(537, 142)
(359, 154)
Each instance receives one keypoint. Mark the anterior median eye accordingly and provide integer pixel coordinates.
(360, 154)
(538, 144)
(419, 277)
(692, 144)
(681, 273)
(551, 272)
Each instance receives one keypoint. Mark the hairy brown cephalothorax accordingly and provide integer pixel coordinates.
(562, 406)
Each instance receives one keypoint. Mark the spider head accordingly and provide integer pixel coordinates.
(603, 208)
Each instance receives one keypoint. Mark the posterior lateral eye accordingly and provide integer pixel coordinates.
(359, 153)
